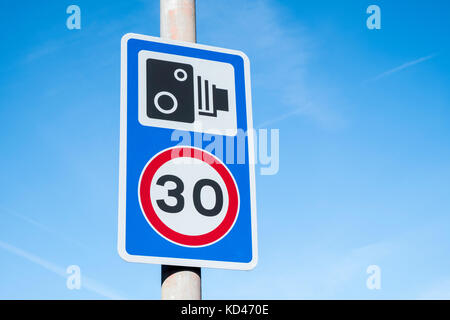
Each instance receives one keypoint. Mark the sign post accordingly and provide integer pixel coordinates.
(186, 176)
(177, 22)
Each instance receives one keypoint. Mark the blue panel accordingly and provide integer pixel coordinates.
(144, 142)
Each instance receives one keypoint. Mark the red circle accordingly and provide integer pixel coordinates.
(146, 205)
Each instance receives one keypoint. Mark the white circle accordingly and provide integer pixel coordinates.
(188, 221)
(171, 96)
(184, 77)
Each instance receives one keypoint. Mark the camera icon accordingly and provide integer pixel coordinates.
(179, 95)
(171, 94)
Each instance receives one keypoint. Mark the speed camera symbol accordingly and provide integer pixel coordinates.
(171, 93)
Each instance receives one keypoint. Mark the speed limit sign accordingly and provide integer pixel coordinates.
(201, 204)
(183, 203)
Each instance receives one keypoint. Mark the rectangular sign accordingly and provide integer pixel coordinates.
(186, 176)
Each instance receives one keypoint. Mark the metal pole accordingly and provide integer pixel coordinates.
(177, 22)
(180, 283)
(177, 19)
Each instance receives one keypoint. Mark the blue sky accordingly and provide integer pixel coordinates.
(364, 148)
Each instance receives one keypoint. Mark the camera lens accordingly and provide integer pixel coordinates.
(162, 96)
(179, 77)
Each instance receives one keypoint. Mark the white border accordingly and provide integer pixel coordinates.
(123, 164)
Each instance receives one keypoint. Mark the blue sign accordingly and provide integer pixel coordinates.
(186, 176)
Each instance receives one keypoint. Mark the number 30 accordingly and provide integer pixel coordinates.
(177, 194)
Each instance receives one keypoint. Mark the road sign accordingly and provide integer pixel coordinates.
(186, 178)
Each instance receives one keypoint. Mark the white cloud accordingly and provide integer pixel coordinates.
(45, 228)
(279, 52)
(440, 290)
(87, 283)
(402, 67)
(333, 273)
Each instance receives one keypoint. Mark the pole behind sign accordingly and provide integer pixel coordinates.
(177, 22)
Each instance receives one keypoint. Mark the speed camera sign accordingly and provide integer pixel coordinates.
(183, 203)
